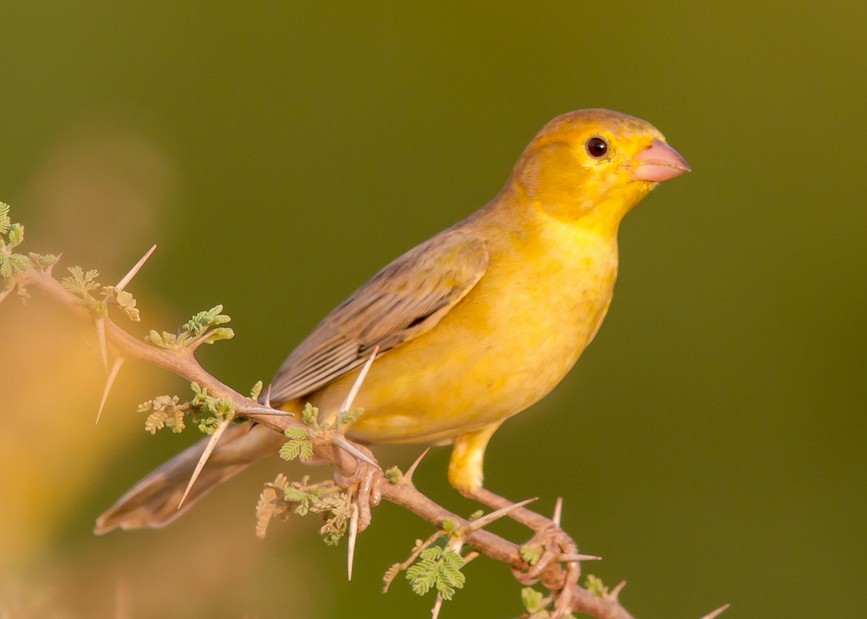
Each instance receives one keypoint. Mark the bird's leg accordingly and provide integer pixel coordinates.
(465, 465)
(465, 474)
(555, 543)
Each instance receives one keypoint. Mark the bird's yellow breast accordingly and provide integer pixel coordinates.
(500, 349)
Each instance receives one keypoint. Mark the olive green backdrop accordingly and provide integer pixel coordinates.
(710, 444)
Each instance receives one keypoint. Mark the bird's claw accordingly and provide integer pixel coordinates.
(365, 484)
(555, 544)
(551, 570)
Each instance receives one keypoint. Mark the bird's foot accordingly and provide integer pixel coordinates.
(551, 554)
(364, 481)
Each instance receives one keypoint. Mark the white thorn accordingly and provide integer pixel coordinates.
(263, 410)
(717, 612)
(558, 511)
(100, 338)
(132, 272)
(570, 557)
(351, 538)
(411, 470)
(268, 396)
(485, 520)
(109, 381)
(344, 444)
(350, 397)
(204, 457)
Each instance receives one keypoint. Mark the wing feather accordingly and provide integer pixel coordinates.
(402, 301)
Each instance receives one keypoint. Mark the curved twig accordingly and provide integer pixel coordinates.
(346, 461)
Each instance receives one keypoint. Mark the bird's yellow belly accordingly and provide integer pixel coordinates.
(506, 345)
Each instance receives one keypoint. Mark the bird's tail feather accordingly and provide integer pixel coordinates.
(153, 501)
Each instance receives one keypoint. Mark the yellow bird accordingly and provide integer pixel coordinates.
(473, 325)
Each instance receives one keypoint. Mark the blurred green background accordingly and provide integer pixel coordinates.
(710, 444)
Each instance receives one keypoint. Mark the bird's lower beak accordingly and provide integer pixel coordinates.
(658, 163)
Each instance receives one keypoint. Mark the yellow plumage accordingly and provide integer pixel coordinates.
(474, 325)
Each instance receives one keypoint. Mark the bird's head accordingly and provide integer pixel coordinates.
(595, 162)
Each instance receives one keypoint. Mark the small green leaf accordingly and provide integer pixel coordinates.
(437, 568)
(6, 269)
(338, 507)
(81, 283)
(42, 261)
(155, 338)
(165, 401)
(450, 575)
(166, 413)
(594, 585)
(393, 474)
(155, 421)
(10, 263)
(208, 425)
(175, 420)
(16, 235)
(420, 578)
(4, 218)
(296, 433)
(531, 554)
(532, 600)
(224, 409)
(202, 321)
(349, 417)
(450, 526)
(125, 301)
(301, 448)
(19, 262)
(221, 333)
(303, 499)
(298, 446)
(309, 415)
(256, 390)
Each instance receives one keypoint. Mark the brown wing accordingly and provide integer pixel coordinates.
(402, 301)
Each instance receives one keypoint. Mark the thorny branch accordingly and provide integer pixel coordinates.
(345, 456)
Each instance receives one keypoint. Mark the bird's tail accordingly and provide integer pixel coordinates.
(153, 502)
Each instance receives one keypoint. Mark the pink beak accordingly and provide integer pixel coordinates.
(658, 163)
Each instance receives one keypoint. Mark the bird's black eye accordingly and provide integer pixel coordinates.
(597, 147)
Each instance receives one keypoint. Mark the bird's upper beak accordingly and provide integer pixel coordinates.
(658, 163)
